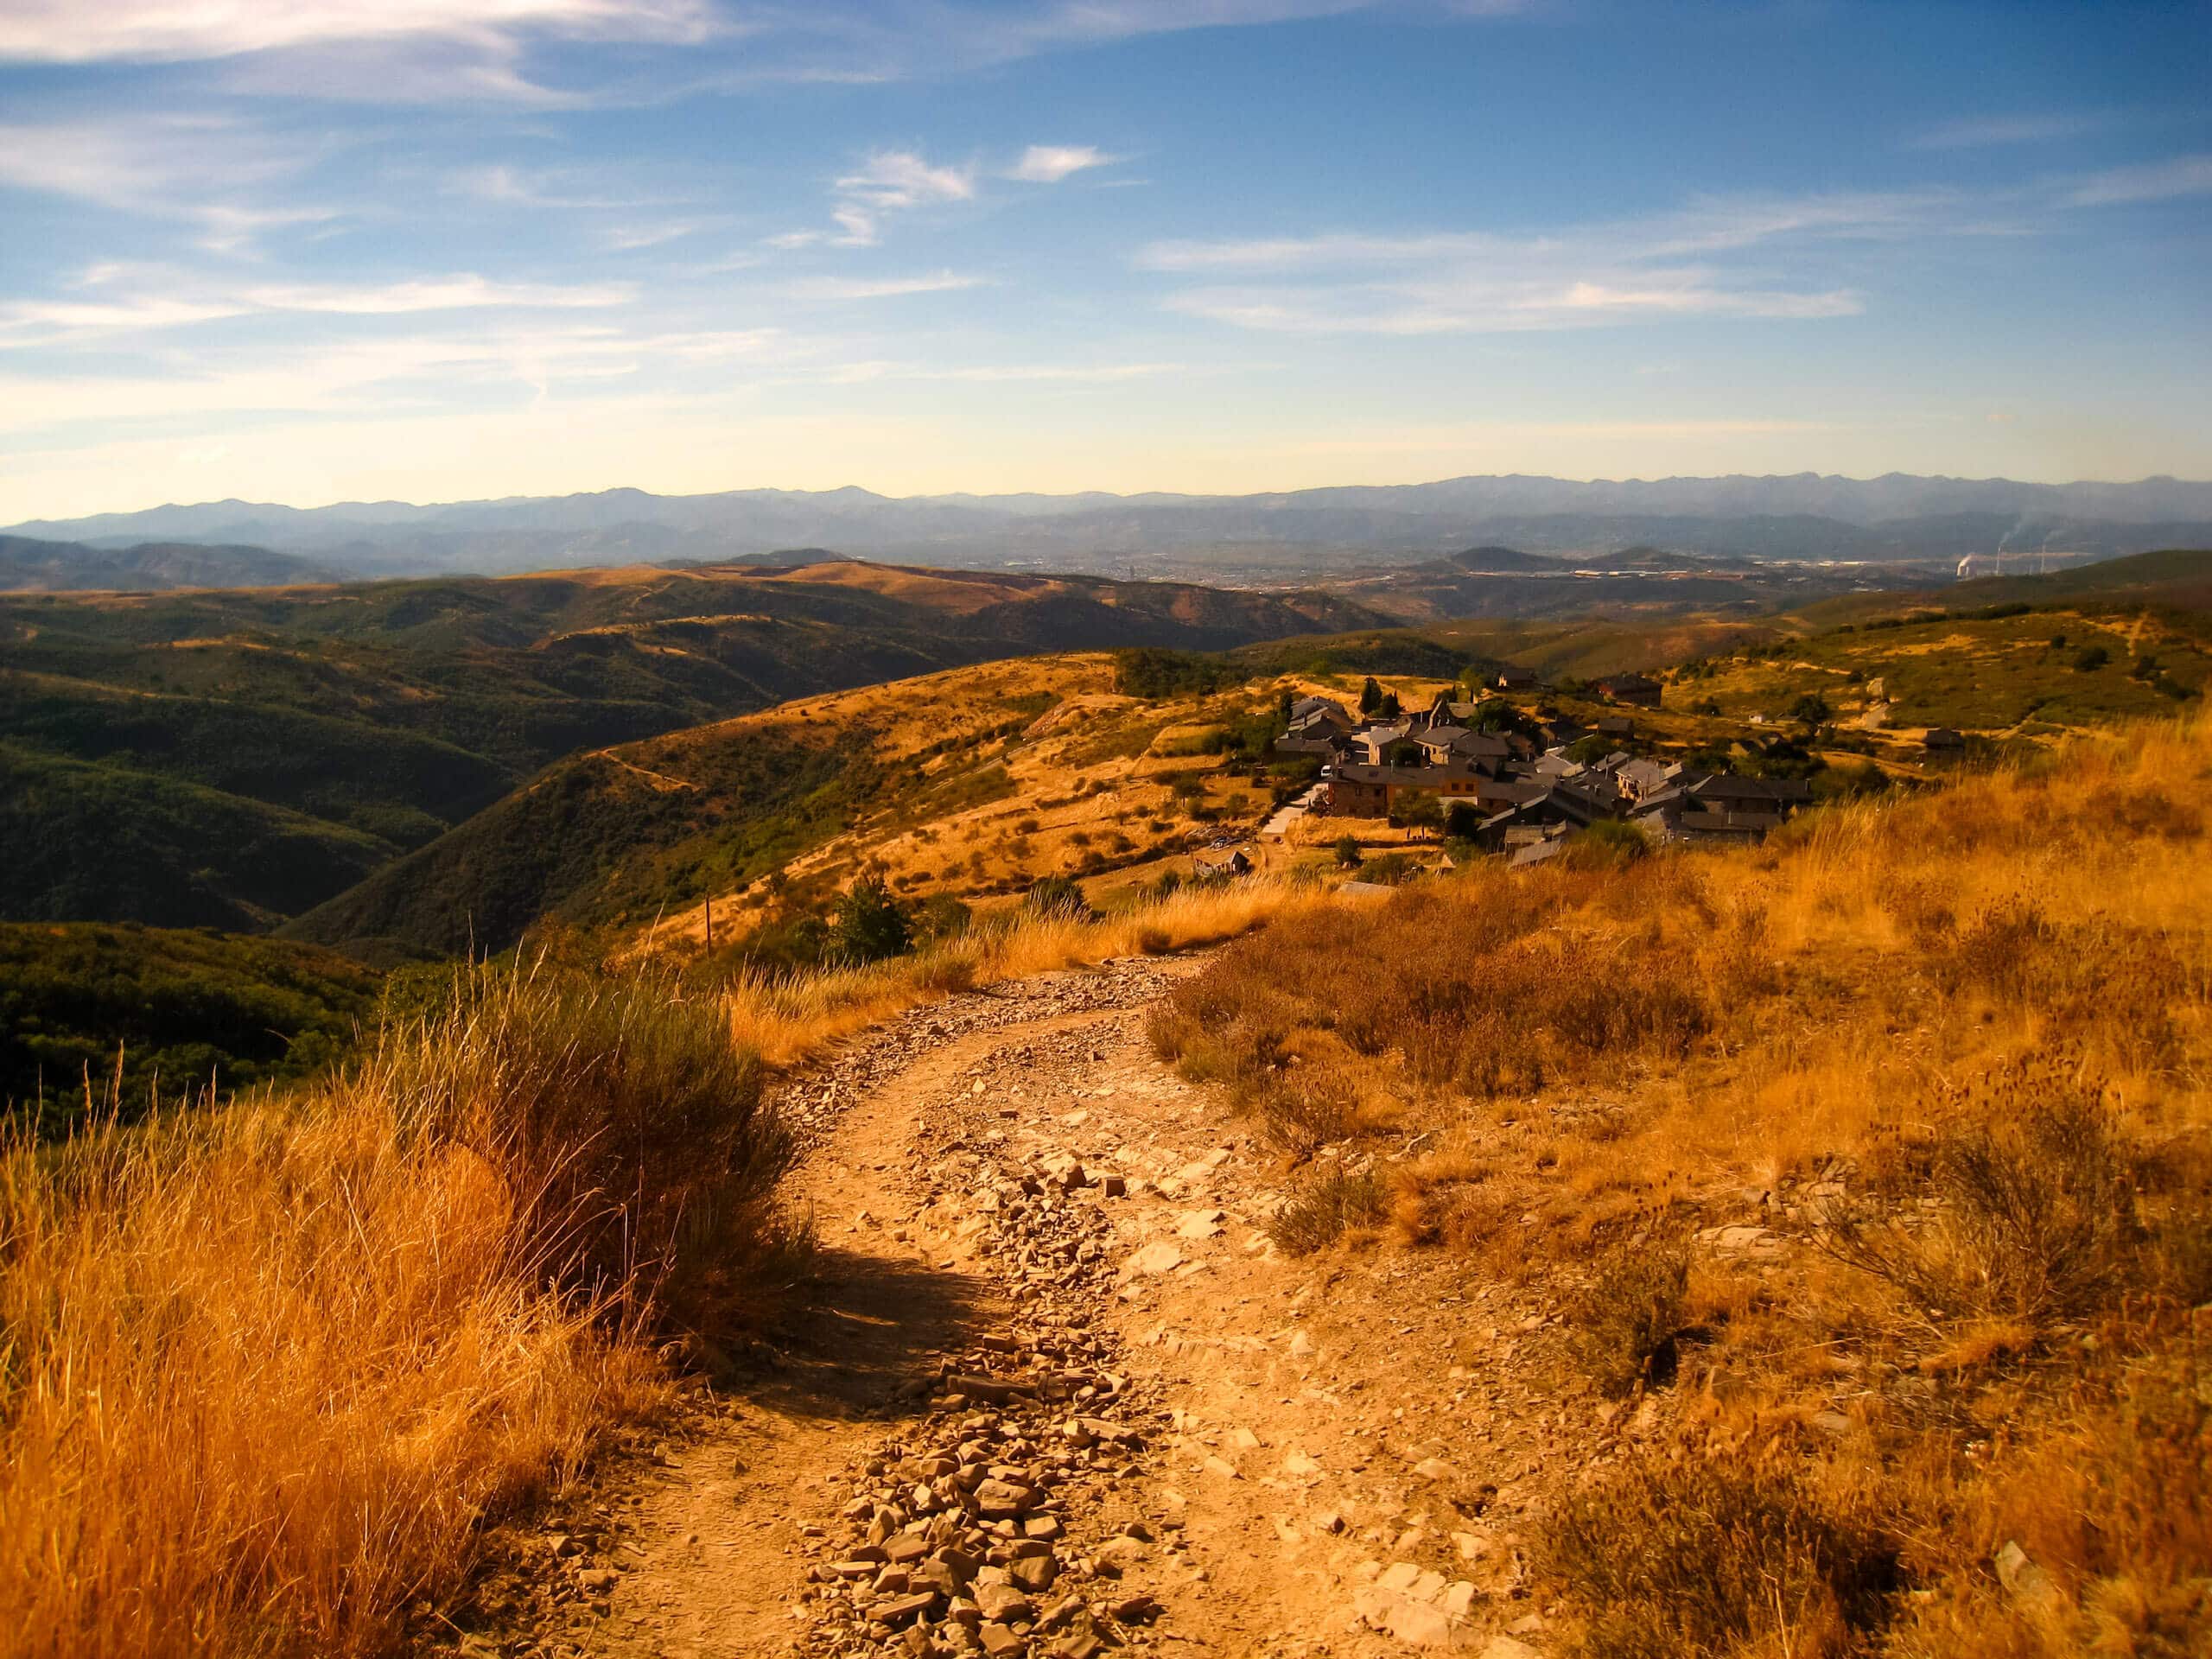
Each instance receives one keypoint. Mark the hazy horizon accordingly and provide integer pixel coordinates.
(1629, 479)
(495, 248)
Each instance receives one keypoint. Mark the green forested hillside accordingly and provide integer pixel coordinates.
(107, 843)
(186, 1009)
(233, 758)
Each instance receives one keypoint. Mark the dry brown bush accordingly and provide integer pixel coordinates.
(1628, 1319)
(2035, 1210)
(1707, 1556)
(270, 1365)
(1321, 1210)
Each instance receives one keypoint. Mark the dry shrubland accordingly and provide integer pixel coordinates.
(1951, 1056)
(267, 1367)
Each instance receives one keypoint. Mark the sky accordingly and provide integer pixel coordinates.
(313, 251)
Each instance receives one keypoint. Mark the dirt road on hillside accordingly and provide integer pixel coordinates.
(1054, 1392)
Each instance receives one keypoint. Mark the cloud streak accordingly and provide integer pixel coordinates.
(69, 31)
(880, 287)
(1049, 163)
(2031, 127)
(1478, 283)
(2166, 181)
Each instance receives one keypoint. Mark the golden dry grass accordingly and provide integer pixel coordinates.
(1984, 1019)
(268, 1366)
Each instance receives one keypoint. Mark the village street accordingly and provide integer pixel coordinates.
(1054, 1390)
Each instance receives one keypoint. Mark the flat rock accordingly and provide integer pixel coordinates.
(1156, 1258)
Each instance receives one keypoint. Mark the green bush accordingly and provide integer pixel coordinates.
(1056, 895)
(870, 925)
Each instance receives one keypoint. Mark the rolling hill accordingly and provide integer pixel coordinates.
(232, 757)
(972, 783)
(28, 565)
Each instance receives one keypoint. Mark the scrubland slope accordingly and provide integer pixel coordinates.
(1876, 1164)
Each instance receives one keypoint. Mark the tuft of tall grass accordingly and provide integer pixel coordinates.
(268, 1365)
(1627, 1321)
(1712, 1555)
(1321, 1212)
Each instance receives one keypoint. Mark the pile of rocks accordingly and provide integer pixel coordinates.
(984, 1527)
(962, 1538)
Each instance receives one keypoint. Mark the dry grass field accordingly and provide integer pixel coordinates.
(1875, 1167)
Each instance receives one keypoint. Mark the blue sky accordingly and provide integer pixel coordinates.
(435, 250)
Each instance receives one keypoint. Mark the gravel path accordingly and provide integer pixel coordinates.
(1054, 1392)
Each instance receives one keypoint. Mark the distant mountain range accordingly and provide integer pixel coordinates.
(1802, 516)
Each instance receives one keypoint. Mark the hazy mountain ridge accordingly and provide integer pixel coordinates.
(1803, 516)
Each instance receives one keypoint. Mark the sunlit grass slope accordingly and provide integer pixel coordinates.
(1954, 1053)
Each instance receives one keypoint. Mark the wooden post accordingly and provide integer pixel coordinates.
(710, 925)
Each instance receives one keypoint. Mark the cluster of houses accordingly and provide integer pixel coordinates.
(1526, 797)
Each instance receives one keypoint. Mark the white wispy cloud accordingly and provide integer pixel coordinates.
(855, 227)
(69, 31)
(462, 292)
(412, 371)
(213, 171)
(2027, 127)
(1716, 257)
(880, 287)
(33, 323)
(1005, 373)
(1471, 303)
(1049, 163)
(2180, 176)
(627, 239)
(893, 179)
(889, 182)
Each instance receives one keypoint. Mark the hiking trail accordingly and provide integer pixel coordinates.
(1051, 1390)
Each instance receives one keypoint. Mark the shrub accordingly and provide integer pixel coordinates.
(1812, 709)
(870, 925)
(1610, 843)
(2090, 658)
(271, 1366)
(1057, 895)
(1317, 1214)
(1627, 1321)
(1423, 813)
(2037, 1213)
(1348, 853)
(1712, 1556)
(940, 917)
(1305, 1108)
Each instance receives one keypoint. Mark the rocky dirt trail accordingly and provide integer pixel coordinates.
(1053, 1391)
